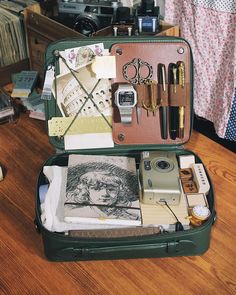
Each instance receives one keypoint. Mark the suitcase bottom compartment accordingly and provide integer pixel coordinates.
(60, 247)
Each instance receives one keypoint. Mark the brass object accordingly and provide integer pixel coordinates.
(181, 121)
(153, 106)
(199, 214)
(181, 71)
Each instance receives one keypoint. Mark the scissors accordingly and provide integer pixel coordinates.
(139, 67)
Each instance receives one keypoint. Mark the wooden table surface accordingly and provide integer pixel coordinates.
(24, 270)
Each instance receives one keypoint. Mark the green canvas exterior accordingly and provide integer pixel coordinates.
(59, 247)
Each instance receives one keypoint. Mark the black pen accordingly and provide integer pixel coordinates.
(163, 109)
(174, 110)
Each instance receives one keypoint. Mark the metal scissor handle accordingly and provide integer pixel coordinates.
(137, 64)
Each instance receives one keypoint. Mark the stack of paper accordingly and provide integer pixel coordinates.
(12, 45)
(160, 215)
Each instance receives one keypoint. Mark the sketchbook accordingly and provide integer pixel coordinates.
(102, 190)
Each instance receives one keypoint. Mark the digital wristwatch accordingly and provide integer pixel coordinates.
(126, 99)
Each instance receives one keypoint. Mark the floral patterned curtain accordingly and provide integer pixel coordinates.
(210, 28)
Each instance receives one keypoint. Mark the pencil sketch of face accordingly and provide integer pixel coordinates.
(100, 187)
(102, 184)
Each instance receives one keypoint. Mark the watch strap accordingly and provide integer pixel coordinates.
(126, 115)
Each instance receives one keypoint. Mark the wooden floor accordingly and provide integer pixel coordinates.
(24, 270)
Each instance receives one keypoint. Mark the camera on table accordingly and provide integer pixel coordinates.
(159, 178)
(89, 16)
(86, 16)
(148, 17)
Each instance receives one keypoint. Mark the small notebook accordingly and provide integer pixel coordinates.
(160, 215)
(24, 82)
(102, 190)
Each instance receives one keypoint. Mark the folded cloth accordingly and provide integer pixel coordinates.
(52, 208)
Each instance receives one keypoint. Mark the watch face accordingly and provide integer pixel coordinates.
(126, 98)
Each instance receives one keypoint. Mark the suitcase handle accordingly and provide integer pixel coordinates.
(129, 251)
(167, 247)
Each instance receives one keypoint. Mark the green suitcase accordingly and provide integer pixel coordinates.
(136, 53)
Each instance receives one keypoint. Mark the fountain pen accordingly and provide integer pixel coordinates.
(173, 110)
(163, 109)
(181, 77)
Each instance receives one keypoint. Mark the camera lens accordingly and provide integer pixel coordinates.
(86, 24)
(162, 165)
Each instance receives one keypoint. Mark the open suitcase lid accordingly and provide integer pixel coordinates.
(138, 61)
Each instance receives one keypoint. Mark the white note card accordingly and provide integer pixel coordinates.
(88, 141)
(104, 67)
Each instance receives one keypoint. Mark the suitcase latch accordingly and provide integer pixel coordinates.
(180, 246)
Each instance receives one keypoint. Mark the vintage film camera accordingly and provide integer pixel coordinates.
(159, 178)
(86, 16)
(89, 16)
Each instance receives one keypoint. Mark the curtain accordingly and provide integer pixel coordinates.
(210, 28)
